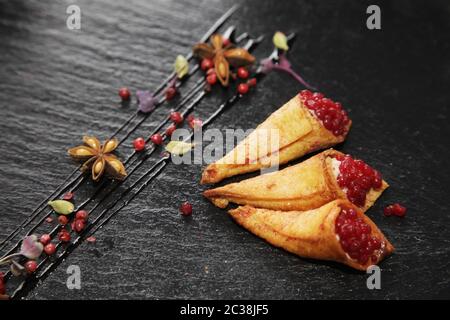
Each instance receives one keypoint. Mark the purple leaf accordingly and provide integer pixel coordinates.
(283, 64)
(146, 101)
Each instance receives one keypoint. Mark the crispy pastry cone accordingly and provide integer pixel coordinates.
(304, 186)
(313, 234)
(299, 132)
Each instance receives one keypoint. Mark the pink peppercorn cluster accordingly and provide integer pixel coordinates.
(395, 209)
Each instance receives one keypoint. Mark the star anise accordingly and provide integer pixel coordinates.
(98, 158)
(223, 56)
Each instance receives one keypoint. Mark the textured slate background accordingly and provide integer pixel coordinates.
(57, 85)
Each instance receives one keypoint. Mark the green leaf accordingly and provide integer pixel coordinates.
(181, 66)
(280, 41)
(179, 147)
(62, 206)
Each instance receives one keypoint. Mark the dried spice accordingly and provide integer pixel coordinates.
(98, 158)
(181, 66)
(179, 147)
(223, 56)
(62, 206)
(280, 41)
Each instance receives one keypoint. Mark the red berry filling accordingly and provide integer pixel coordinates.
(395, 209)
(356, 178)
(330, 113)
(355, 237)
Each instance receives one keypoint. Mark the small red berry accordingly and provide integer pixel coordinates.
(211, 79)
(252, 82)
(395, 209)
(68, 196)
(206, 64)
(81, 214)
(139, 144)
(91, 239)
(242, 73)
(50, 249)
(63, 220)
(186, 209)
(243, 88)
(49, 220)
(388, 211)
(170, 129)
(225, 42)
(31, 266)
(399, 210)
(45, 239)
(196, 123)
(124, 93)
(170, 93)
(64, 236)
(156, 139)
(176, 117)
(79, 225)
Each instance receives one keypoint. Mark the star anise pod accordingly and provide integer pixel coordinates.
(98, 158)
(223, 56)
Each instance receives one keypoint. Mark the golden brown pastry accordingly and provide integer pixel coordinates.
(337, 231)
(306, 123)
(310, 184)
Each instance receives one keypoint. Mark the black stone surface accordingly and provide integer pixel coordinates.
(57, 84)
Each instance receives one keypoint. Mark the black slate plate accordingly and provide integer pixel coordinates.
(59, 84)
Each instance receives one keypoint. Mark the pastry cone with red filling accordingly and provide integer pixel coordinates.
(327, 176)
(338, 231)
(306, 123)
